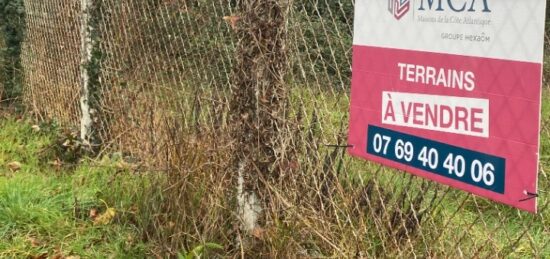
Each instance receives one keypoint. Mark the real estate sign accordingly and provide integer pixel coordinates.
(450, 90)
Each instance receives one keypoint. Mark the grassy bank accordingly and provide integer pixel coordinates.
(50, 209)
(106, 208)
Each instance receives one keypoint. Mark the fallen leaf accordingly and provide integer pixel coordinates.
(232, 20)
(40, 256)
(14, 166)
(58, 254)
(93, 214)
(66, 143)
(133, 209)
(258, 232)
(57, 164)
(34, 241)
(123, 165)
(129, 240)
(106, 217)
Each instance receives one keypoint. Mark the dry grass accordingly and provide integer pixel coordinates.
(332, 205)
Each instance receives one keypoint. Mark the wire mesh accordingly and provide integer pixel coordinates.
(2, 60)
(156, 67)
(168, 73)
(51, 60)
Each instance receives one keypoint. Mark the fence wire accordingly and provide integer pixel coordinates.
(2, 65)
(50, 59)
(164, 95)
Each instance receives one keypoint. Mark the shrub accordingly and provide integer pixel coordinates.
(12, 22)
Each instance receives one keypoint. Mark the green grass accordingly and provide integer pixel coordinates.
(545, 134)
(46, 212)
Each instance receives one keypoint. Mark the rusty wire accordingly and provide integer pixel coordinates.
(175, 77)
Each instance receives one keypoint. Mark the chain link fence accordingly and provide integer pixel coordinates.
(50, 59)
(214, 94)
(2, 65)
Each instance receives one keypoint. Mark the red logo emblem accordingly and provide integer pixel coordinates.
(398, 8)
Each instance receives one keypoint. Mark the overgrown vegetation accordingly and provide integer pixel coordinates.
(12, 24)
(51, 210)
(321, 39)
(47, 206)
(167, 187)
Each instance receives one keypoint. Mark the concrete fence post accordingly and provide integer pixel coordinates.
(258, 106)
(86, 56)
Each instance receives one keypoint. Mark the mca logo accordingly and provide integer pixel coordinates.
(398, 8)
